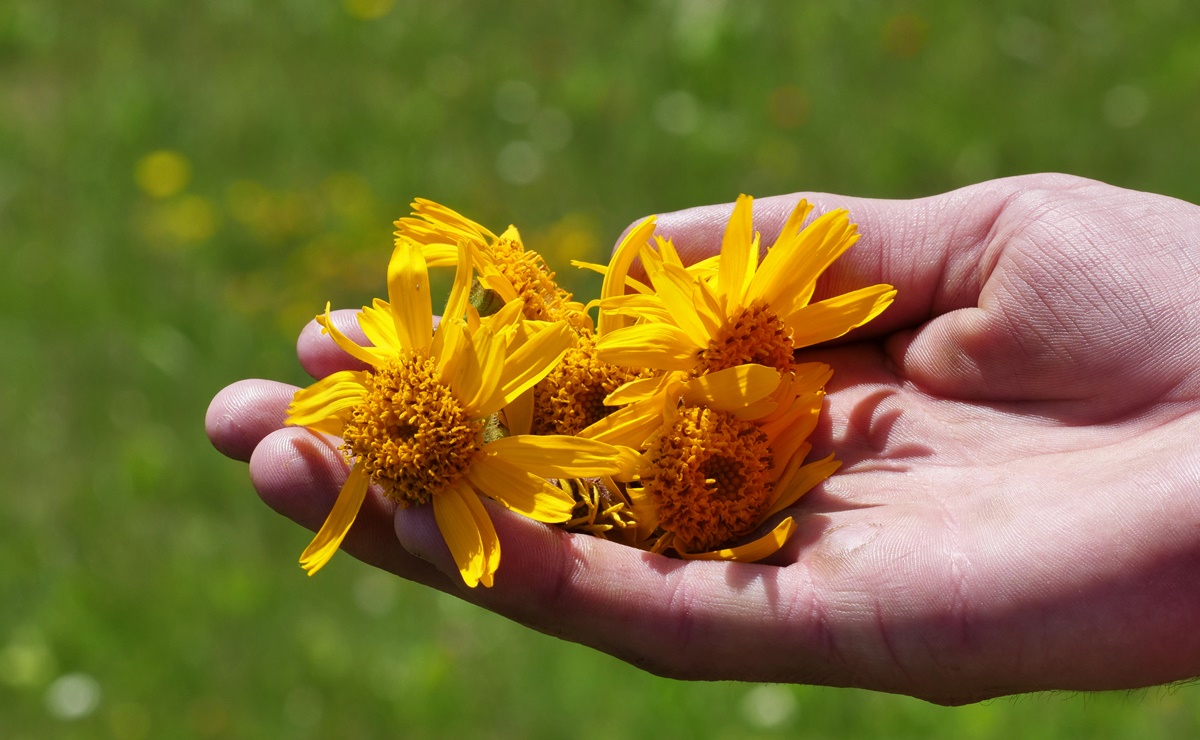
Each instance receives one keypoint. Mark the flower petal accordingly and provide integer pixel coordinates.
(731, 389)
(408, 294)
(658, 346)
(766, 545)
(739, 253)
(618, 270)
(337, 524)
(329, 397)
(830, 319)
(479, 374)
(556, 456)
(531, 362)
(637, 306)
(468, 533)
(637, 390)
(370, 355)
(518, 414)
(521, 490)
(804, 480)
(675, 288)
(790, 270)
(630, 426)
(376, 322)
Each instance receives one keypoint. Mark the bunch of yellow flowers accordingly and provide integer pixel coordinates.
(676, 422)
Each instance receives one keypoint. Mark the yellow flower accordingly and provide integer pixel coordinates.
(745, 312)
(505, 266)
(726, 427)
(723, 457)
(414, 421)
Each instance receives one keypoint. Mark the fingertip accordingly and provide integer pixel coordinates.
(243, 413)
(298, 473)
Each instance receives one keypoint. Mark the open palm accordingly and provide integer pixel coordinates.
(1019, 507)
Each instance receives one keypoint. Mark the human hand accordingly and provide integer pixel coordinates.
(1019, 505)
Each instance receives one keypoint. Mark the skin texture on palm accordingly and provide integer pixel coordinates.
(1019, 507)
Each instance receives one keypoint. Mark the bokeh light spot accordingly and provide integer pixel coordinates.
(905, 36)
(788, 107)
(519, 163)
(768, 706)
(162, 173)
(1125, 106)
(677, 113)
(551, 129)
(368, 10)
(516, 101)
(73, 696)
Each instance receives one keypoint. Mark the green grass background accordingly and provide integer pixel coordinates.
(145, 592)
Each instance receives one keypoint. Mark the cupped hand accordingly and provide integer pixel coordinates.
(1019, 507)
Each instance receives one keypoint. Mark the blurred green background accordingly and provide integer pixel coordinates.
(183, 185)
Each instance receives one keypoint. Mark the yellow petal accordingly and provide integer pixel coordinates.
(520, 490)
(439, 255)
(636, 390)
(376, 322)
(456, 305)
(556, 456)
(766, 545)
(440, 214)
(708, 308)
(329, 397)
(830, 319)
(789, 272)
(786, 430)
(658, 346)
(731, 389)
(479, 375)
(370, 355)
(337, 524)
(618, 270)
(531, 362)
(637, 285)
(518, 414)
(739, 253)
(795, 223)
(408, 294)
(630, 426)
(507, 315)
(492, 279)
(636, 306)
(454, 509)
(804, 480)
(645, 511)
(676, 288)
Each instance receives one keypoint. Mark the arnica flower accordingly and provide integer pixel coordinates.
(746, 312)
(571, 396)
(719, 461)
(504, 265)
(725, 429)
(414, 421)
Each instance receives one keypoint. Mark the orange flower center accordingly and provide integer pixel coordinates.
(571, 397)
(709, 477)
(534, 283)
(756, 335)
(410, 433)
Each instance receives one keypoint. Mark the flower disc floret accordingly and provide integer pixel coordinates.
(410, 433)
(755, 335)
(709, 476)
(571, 397)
